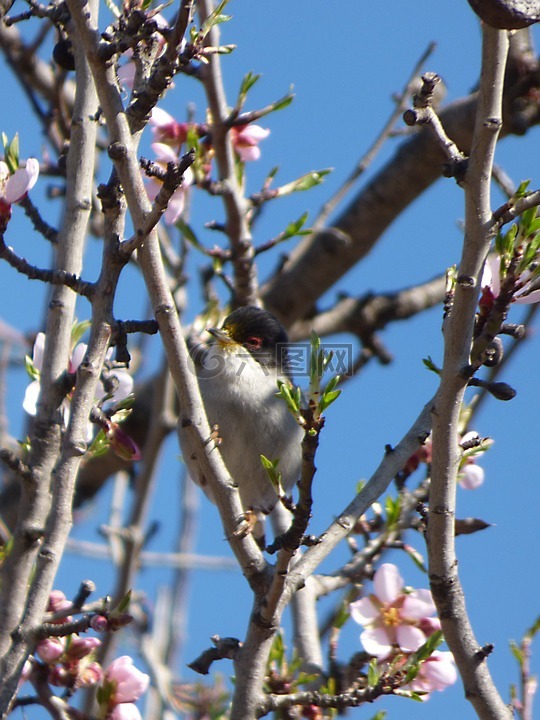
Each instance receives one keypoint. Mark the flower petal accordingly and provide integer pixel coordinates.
(471, 476)
(377, 642)
(388, 583)
(418, 604)
(37, 353)
(160, 117)
(363, 611)
(164, 152)
(21, 181)
(124, 387)
(439, 670)
(31, 396)
(409, 638)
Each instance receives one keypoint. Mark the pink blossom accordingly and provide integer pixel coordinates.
(491, 278)
(123, 388)
(436, 673)
(128, 681)
(165, 129)
(164, 155)
(246, 139)
(471, 475)
(394, 620)
(13, 187)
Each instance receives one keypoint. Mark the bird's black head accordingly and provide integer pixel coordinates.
(259, 332)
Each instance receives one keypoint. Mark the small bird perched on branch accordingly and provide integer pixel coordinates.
(238, 376)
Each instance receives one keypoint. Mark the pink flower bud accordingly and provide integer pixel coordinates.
(58, 601)
(51, 649)
(99, 623)
(90, 674)
(79, 647)
(130, 683)
(122, 445)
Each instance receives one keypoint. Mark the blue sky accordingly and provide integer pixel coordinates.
(345, 61)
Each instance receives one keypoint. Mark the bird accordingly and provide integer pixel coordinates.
(237, 376)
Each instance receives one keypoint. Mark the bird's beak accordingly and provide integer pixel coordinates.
(222, 336)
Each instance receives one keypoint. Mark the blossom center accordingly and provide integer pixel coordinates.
(390, 616)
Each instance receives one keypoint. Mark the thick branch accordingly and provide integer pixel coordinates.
(458, 333)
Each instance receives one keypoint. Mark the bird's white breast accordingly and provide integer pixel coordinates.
(240, 397)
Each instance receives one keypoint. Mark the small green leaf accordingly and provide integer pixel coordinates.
(248, 81)
(535, 628)
(215, 18)
(283, 102)
(327, 399)
(294, 228)
(30, 368)
(123, 605)
(374, 674)
(100, 445)
(342, 616)
(517, 653)
(428, 362)
(522, 189)
(78, 330)
(305, 182)
(11, 152)
(393, 510)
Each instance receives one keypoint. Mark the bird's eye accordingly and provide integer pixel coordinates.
(253, 343)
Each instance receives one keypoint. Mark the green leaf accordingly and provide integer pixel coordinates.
(535, 627)
(393, 510)
(517, 653)
(527, 218)
(277, 652)
(428, 362)
(522, 189)
(342, 616)
(78, 330)
(374, 674)
(30, 368)
(215, 18)
(327, 399)
(11, 152)
(427, 649)
(305, 182)
(123, 605)
(100, 445)
(274, 474)
(283, 102)
(294, 228)
(248, 81)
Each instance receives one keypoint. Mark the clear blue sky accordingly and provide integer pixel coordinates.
(345, 61)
